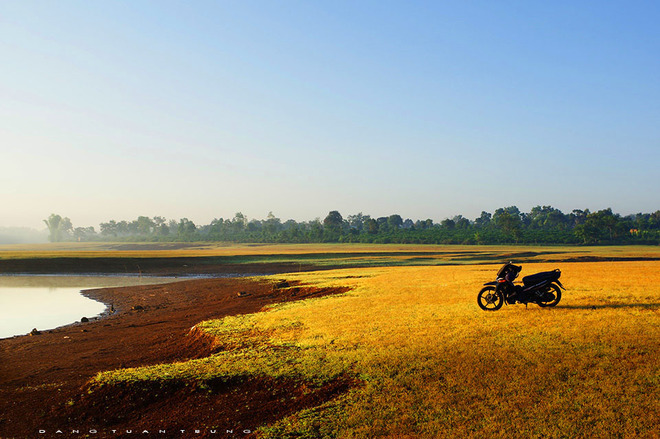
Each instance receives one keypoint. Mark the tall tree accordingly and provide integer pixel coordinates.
(483, 220)
(144, 225)
(357, 221)
(186, 229)
(240, 221)
(509, 221)
(58, 227)
(109, 228)
(272, 224)
(395, 222)
(461, 222)
(448, 224)
(333, 221)
(371, 226)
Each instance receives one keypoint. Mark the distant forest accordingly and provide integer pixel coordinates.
(507, 225)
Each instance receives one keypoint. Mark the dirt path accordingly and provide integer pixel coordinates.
(41, 376)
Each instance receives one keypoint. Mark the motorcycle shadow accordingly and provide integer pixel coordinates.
(649, 306)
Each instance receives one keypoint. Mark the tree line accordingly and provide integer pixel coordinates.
(507, 225)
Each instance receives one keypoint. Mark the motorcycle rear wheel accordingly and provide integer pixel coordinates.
(555, 291)
(489, 300)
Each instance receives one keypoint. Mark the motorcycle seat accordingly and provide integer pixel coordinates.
(540, 277)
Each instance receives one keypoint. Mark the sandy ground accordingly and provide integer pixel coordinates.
(43, 377)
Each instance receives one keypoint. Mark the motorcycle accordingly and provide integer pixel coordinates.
(543, 288)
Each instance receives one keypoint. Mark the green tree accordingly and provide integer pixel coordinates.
(272, 224)
(547, 217)
(509, 221)
(255, 226)
(371, 226)
(333, 221)
(84, 233)
(58, 228)
(144, 225)
(394, 222)
(424, 225)
(448, 224)
(461, 222)
(357, 221)
(315, 230)
(483, 220)
(578, 217)
(109, 228)
(607, 224)
(240, 221)
(186, 229)
(160, 226)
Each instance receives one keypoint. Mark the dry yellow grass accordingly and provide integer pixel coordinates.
(432, 364)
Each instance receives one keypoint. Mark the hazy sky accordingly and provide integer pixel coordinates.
(114, 109)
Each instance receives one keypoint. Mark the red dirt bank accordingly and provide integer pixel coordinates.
(42, 376)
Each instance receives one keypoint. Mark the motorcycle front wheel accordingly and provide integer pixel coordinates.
(551, 297)
(489, 300)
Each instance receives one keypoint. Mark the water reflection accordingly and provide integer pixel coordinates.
(46, 302)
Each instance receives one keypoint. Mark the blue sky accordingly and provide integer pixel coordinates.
(110, 110)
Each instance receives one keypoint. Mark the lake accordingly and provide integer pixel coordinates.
(47, 302)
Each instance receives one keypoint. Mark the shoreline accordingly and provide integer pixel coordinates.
(41, 374)
(108, 311)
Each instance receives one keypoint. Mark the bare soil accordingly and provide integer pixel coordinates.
(43, 377)
(163, 266)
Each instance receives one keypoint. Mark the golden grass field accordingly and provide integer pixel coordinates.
(428, 363)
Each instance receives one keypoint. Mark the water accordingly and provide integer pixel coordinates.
(47, 302)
